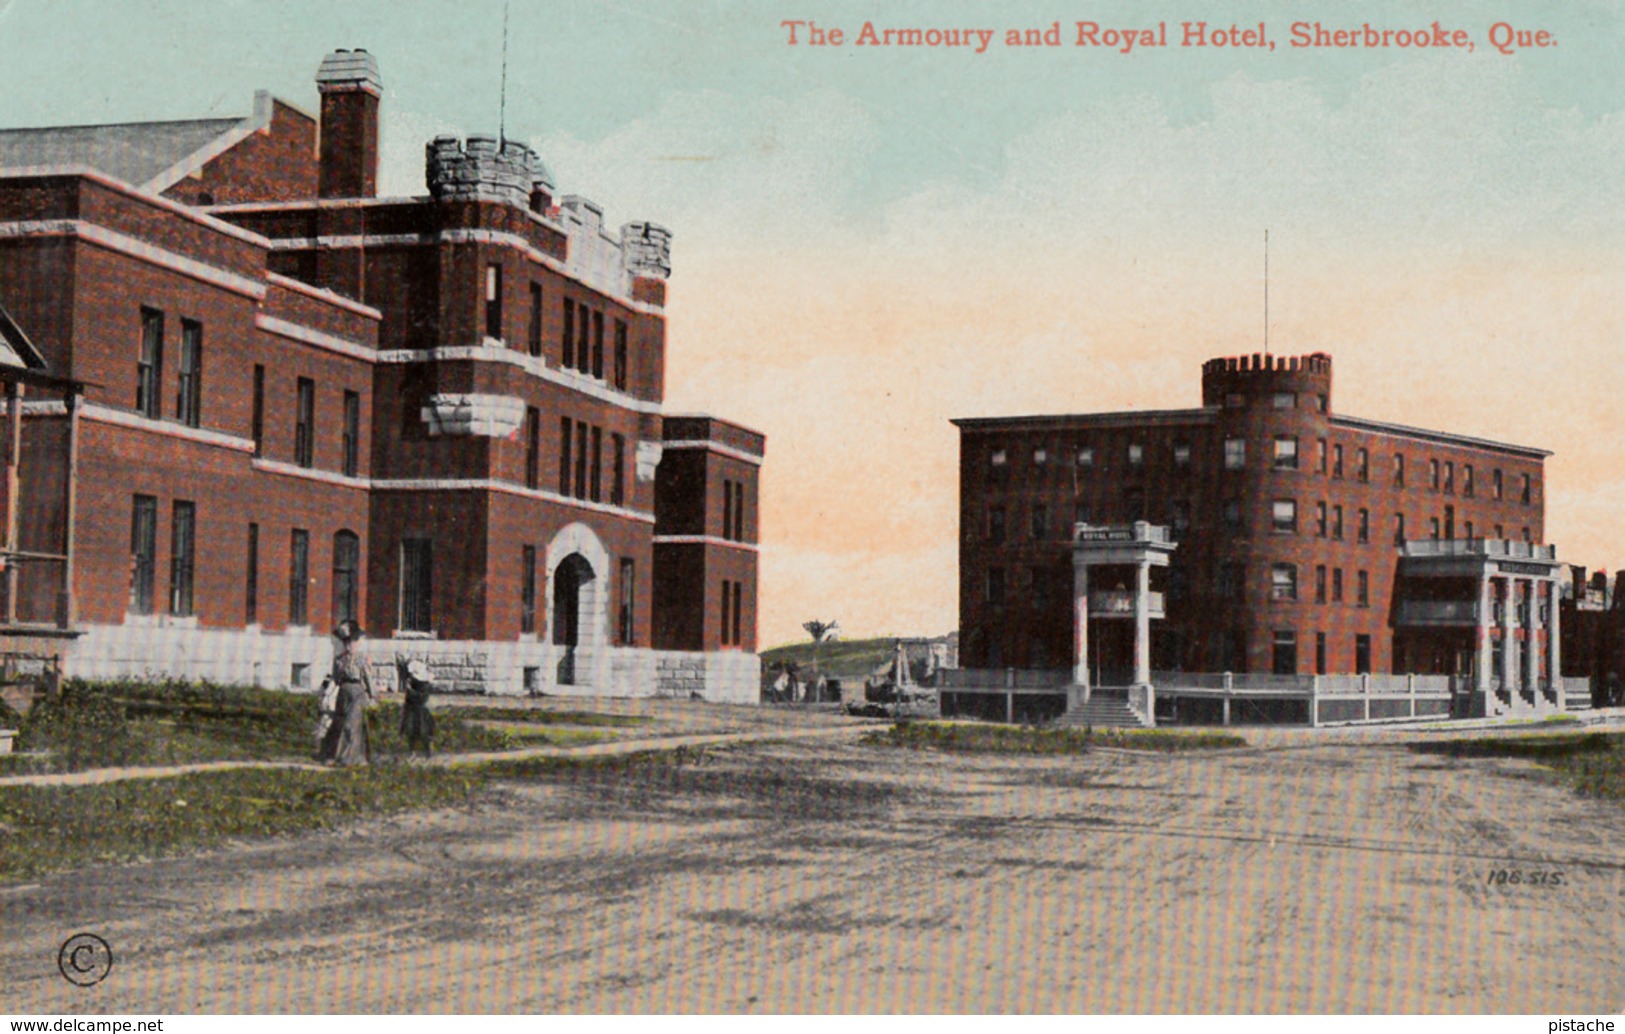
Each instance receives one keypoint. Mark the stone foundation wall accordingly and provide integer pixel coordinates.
(298, 661)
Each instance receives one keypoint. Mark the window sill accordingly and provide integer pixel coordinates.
(403, 634)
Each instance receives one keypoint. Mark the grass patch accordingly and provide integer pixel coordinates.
(1014, 739)
(540, 716)
(129, 723)
(60, 827)
(49, 828)
(1593, 762)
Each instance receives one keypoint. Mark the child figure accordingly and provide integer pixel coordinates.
(417, 724)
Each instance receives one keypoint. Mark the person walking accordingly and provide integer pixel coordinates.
(417, 724)
(346, 742)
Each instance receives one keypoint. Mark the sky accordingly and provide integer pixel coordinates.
(872, 240)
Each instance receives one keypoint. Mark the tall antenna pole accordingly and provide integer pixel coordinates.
(502, 110)
(1266, 291)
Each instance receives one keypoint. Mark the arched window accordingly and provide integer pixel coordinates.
(346, 576)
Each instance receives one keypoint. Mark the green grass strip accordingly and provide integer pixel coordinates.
(989, 738)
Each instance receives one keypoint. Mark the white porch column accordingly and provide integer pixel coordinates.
(1554, 640)
(1486, 607)
(1509, 645)
(1142, 624)
(1080, 627)
(1531, 652)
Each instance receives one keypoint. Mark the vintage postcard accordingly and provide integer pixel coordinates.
(743, 507)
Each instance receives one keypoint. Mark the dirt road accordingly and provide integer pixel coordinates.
(1311, 875)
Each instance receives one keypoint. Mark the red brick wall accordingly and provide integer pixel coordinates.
(277, 163)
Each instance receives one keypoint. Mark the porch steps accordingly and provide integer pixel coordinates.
(1101, 711)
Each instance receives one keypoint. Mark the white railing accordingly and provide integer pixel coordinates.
(1120, 603)
(1511, 548)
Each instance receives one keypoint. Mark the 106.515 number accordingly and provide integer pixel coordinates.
(1533, 878)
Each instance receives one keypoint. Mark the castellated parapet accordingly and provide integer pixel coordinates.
(1256, 376)
(646, 249)
(483, 169)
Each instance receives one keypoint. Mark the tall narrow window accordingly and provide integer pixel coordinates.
(535, 319)
(567, 340)
(493, 301)
(527, 590)
(727, 611)
(1337, 521)
(299, 578)
(182, 556)
(346, 576)
(597, 473)
(1337, 585)
(739, 610)
(143, 553)
(304, 428)
(1433, 475)
(1362, 588)
(149, 370)
(1320, 653)
(581, 460)
(1286, 653)
(1363, 528)
(251, 577)
(1362, 464)
(995, 586)
(620, 355)
(352, 433)
(565, 426)
(1362, 655)
(617, 483)
(1235, 453)
(1337, 461)
(598, 344)
(257, 413)
(583, 343)
(1399, 470)
(1527, 491)
(417, 583)
(727, 509)
(1320, 583)
(189, 390)
(739, 511)
(533, 447)
(1399, 529)
(1450, 476)
(629, 601)
(1467, 479)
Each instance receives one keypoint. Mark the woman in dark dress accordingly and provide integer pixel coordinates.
(417, 724)
(346, 742)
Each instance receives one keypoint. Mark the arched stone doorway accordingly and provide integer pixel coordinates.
(573, 575)
(578, 595)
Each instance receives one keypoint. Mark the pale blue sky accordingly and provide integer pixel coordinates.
(871, 241)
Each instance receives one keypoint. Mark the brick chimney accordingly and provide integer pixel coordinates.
(350, 88)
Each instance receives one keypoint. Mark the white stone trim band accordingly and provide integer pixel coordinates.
(716, 447)
(112, 240)
(530, 364)
(323, 294)
(319, 339)
(293, 470)
(705, 540)
(494, 485)
(175, 208)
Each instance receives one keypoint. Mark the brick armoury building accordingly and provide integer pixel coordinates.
(1279, 538)
(296, 402)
